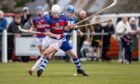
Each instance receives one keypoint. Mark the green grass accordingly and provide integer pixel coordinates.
(62, 73)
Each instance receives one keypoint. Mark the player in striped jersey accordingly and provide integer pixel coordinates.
(65, 45)
(39, 24)
(52, 40)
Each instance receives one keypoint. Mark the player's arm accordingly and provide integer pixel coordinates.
(48, 33)
(74, 27)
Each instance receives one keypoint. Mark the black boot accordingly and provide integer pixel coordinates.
(39, 72)
(80, 71)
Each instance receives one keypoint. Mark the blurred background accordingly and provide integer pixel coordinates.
(90, 6)
(18, 46)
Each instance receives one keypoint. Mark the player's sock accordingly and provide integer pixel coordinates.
(77, 63)
(44, 63)
(37, 63)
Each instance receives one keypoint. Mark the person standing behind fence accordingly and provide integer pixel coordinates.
(109, 28)
(126, 41)
(96, 42)
(13, 26)
(26, 17)
(123, 27)
(134, 26)
(3, 22)
(13, 29)
(88, 29)
(3, 26)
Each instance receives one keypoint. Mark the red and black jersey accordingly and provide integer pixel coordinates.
(57, 25)
(41, 25)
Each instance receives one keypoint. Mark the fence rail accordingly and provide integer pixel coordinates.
(74, 41)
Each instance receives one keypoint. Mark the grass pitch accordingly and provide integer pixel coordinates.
(62, 73)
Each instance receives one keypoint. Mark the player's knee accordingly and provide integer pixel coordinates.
(72, 54)
(45, 54)
(75, 56)
(50, 56)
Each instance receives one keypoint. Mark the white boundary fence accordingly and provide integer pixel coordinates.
(74, 43)
(74, 34)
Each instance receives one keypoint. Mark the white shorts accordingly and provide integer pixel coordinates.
(47, 41)
(39, 41)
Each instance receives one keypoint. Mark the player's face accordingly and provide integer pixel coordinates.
(55, 15)
(39, 12)
(68, 14)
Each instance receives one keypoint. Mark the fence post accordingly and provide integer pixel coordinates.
(4, 46)
(74, 40)
(74, 43)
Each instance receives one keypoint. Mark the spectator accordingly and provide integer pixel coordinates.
(123, 27)
(28, 24)
(3, 22)
(26, 15)
(109, 28)
(126, 41)
(26, 19)
(3, 26)
(97, 39)
(13, 29)
(88, 29)
(86, 49)
(133, 24)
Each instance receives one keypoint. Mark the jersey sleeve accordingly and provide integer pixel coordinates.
(48, 23)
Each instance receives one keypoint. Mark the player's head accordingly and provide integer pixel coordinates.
(70, 11)
(55, 11)
(39, 10)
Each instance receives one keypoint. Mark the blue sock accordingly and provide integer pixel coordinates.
(44, 63)
(77, 63)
